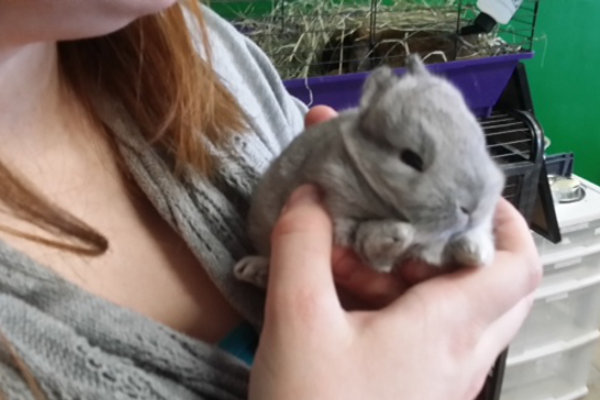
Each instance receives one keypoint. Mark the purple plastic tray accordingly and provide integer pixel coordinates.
(481, 81)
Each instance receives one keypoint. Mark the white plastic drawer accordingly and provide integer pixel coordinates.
(576, 394)
(553, 372)
(561, 266)
(579, 222)
(579, 235)
(560, 312)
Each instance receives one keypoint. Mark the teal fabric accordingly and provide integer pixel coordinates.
(241, 342)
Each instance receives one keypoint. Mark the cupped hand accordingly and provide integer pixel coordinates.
(436, 341)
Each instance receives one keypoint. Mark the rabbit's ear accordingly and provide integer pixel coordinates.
(415, 65)
(376, 84)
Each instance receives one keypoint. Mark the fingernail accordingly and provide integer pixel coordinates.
(305, 194)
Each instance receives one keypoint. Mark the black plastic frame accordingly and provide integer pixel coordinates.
(535, 199)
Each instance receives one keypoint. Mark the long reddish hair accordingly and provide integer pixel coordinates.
(169, 90)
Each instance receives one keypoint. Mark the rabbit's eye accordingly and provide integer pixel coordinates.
(412, 159)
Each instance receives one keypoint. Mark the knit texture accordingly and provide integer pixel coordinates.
(80, 346)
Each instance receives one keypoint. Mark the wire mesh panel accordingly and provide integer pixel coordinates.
(329, 37)
(516, 36)
(514, 141)
(509, 138)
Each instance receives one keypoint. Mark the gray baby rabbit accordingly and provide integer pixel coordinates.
(405, 175)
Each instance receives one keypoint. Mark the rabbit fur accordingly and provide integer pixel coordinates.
(406, 174)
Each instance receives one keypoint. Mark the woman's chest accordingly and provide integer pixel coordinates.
(147, 268)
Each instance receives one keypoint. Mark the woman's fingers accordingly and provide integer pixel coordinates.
(363, 287)
(415, 271)
(502, 331)
(515, 272)
(487, 293)
(480, 296)
(319, 114)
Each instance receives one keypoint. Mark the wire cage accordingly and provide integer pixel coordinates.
(306, 38)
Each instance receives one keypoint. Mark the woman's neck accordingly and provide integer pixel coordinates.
(37, 109)
(30, 90)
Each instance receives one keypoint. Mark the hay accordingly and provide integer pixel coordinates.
(315, 37)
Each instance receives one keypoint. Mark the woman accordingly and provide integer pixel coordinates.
(128, 161)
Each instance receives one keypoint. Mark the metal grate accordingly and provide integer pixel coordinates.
(514, 141)
(509, 138)
(519, 32)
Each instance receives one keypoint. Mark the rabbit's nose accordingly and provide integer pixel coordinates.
(465, 210)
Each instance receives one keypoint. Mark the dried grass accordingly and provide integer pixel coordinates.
(296, 33)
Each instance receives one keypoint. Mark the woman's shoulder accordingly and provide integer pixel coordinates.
(250, 76)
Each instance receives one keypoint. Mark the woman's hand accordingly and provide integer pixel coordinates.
(436, 341)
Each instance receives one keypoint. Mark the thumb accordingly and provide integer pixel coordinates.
(319, 114)
(301, 246)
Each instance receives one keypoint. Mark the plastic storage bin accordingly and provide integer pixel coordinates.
(561, 312)
(558, 371)
(572, 263)
(551, 356)
(579, 223)
(576, 235)
(480, 80)
(576, 394)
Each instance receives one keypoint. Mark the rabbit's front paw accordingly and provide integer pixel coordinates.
(344, 229)
(467, 251)
(253, 269)
(382, 243)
